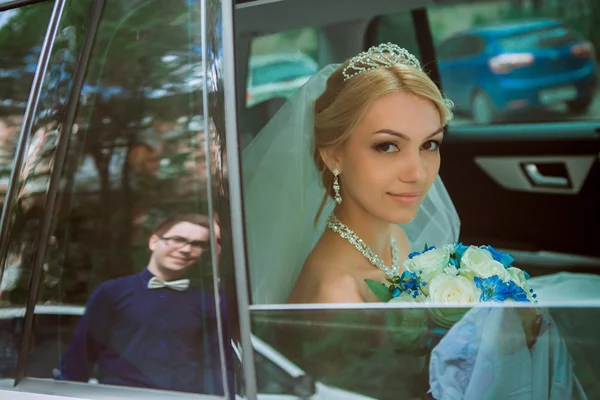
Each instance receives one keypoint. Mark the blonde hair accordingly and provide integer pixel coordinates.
(341, 107)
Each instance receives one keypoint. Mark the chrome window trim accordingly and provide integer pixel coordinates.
(383, 307)
(236, 202)
(208, 159)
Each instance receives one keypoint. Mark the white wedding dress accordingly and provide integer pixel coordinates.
(282, 193)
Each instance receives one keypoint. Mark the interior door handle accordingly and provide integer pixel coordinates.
(539, 179)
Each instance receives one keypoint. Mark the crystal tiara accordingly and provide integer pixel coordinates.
(381, 56)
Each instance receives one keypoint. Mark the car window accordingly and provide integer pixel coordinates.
(270, 378)
(339, 350)
(21, 35)
(449, 48)
(541, 64)
(280, 57)
(471, 46)
(547, 37)
(281, 71)
(136, 232)
(396, 28)
(278, 65)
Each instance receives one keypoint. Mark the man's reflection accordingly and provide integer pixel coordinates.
(153, 329)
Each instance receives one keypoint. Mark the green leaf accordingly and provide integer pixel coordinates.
(379, 290)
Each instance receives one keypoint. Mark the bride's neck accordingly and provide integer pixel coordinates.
(375, 232)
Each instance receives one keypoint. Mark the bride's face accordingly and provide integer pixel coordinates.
(392, 158)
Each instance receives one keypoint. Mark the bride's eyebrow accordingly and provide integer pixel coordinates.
(406, 137)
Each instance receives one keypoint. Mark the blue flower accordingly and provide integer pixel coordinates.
(459, 250)
(426, 249)
(396, 292)
(410, 281)
(503, 258)
(492, 288)
(413, 254)
(516, 292)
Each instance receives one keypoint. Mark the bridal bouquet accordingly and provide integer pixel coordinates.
(455, 275)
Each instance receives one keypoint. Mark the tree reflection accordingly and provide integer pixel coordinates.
(136, 152)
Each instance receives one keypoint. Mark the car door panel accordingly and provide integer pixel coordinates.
(523, 173)
(484, 172)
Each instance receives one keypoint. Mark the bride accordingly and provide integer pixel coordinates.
(374, 127)
(343, 182)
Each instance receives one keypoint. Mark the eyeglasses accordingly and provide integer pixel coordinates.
(178, 241)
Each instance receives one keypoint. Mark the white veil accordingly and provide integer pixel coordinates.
(283, 191)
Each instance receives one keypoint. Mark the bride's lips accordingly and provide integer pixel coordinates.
(406, 198)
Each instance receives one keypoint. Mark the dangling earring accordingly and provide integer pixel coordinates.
(336, 186)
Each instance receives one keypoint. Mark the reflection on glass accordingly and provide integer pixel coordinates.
(387, 354)
(279, 64)
(127, 297)
(215, 164)
(509, 62)
(21, 35)
(152, 329)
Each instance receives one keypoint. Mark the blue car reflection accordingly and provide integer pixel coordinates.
(495, 70)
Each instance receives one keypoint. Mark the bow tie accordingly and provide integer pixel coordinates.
(180, 285)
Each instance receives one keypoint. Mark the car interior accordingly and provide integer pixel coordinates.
(485, 168)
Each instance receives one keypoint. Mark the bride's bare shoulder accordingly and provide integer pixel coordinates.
(324, 278)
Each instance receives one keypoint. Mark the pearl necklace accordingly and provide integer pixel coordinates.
(338, 227)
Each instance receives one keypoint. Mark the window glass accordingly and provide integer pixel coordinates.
(270, 378)
(279, 64)
(295, 257)
(127, 295)
(472, 45)
(540, 63)
(21, 35)
(399, 352)
(449, 49)
(397, 28)
(539, 38)
(281, 71)
(283, 61)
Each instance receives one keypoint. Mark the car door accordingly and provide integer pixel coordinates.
(530, 185)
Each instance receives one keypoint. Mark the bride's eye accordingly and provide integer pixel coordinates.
(432, 145)
(387, 147)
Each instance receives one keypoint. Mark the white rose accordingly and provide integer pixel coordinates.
(451, 270)
(451, 248)
(518, 276)
(429, 264)
(447, 289)
(407, 325)
(479, 262)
